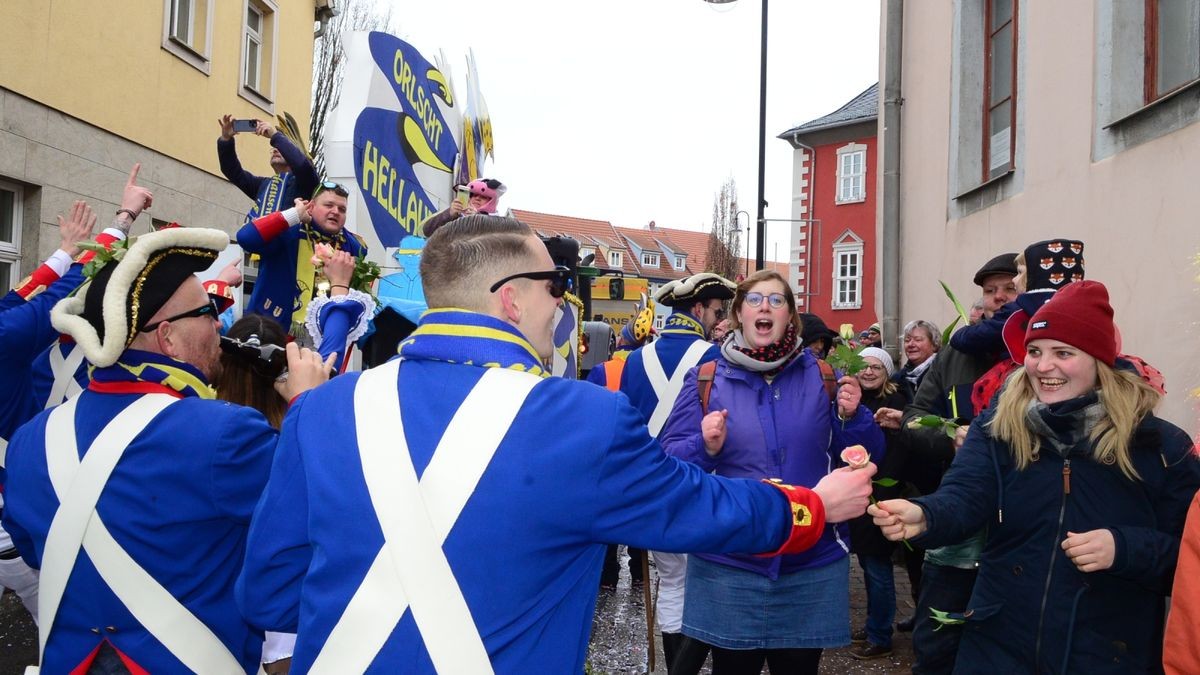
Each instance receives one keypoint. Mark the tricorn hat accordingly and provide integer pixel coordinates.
(683, 293)
(104, 316)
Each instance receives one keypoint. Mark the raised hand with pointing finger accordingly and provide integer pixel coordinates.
(134, 200)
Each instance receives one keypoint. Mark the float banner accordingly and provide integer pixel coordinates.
(388, 144)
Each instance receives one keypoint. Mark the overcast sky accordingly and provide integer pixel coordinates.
(638, 110)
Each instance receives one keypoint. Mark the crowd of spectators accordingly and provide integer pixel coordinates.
(187, 494)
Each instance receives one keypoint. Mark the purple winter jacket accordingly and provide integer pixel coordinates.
(788, 429)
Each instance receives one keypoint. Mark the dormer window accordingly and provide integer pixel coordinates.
(649, 259)
(680, 262)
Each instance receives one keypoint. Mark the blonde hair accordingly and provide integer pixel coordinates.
(1126, 398)
(887, 389)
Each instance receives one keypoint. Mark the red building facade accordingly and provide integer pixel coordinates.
(833, 239)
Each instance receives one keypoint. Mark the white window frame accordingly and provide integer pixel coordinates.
(252, 68)
(852, 185)
(10, 251)
(1123, 117)
(847, 287)
(195, 55)
(263, 93)
(680, 262)
(650, 259)
(614, 259)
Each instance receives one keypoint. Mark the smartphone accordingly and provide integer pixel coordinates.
(245, 125)
(463, 195)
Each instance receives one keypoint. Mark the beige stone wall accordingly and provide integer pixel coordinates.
(1137, 210)
(60, 159)
(103, 62)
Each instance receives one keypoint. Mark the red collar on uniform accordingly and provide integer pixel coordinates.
(132, 388)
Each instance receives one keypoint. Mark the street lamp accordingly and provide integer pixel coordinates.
(760, 248)
(735, 215)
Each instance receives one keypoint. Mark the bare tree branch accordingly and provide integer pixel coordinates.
(328, 61)
(724, 239)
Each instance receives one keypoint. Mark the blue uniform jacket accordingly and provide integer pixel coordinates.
(528, 547)
(25, 331)
(179, 502)
(670, 350)
(275, 292)
(1032, 610)
(787, 429)
(337, 320)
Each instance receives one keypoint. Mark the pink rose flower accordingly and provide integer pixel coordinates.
(856, 457)
(321, 254)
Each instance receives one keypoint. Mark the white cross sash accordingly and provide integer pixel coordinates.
(63, 369)
(416, 516)
(668, 390)
(77, 526)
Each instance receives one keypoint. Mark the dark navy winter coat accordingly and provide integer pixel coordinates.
(1032, 610)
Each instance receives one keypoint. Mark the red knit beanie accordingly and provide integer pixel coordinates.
(1078, 315)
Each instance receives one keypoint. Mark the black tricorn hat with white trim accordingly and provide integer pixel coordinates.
(696, 288)
(107, 312)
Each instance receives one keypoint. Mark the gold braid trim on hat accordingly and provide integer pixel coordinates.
(138, 283)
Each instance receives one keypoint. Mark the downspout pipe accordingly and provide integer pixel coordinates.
(324, 16)
(810, 215)
(892, 102)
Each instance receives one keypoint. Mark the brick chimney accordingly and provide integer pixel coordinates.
(650, 226)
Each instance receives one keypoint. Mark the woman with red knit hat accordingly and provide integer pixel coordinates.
(1083, 492)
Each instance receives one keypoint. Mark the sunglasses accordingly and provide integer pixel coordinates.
(776, 300)
(267, 360)
(211, 310)
(330, 185)
(559, 278)
(719, 313)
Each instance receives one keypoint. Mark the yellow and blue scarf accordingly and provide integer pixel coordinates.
(139, 372)
(683, 323)
(470, 338)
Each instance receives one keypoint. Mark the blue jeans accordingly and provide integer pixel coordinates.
(947, 589)
(881, 597)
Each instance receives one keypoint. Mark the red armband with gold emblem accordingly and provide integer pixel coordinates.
(808, 518)
(220, 291)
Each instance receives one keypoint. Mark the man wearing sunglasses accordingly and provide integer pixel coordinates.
(285, 242)
(474, 494)
(137, 492)
(652, 379)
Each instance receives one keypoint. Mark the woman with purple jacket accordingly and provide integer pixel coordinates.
(768, 414)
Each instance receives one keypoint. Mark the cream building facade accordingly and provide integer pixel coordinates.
(1026, 120)
(89, 88)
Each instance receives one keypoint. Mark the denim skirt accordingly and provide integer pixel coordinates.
(736, 609)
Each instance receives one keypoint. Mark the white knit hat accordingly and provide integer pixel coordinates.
(884, 358)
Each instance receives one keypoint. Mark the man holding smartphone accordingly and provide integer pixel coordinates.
(295, 176)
